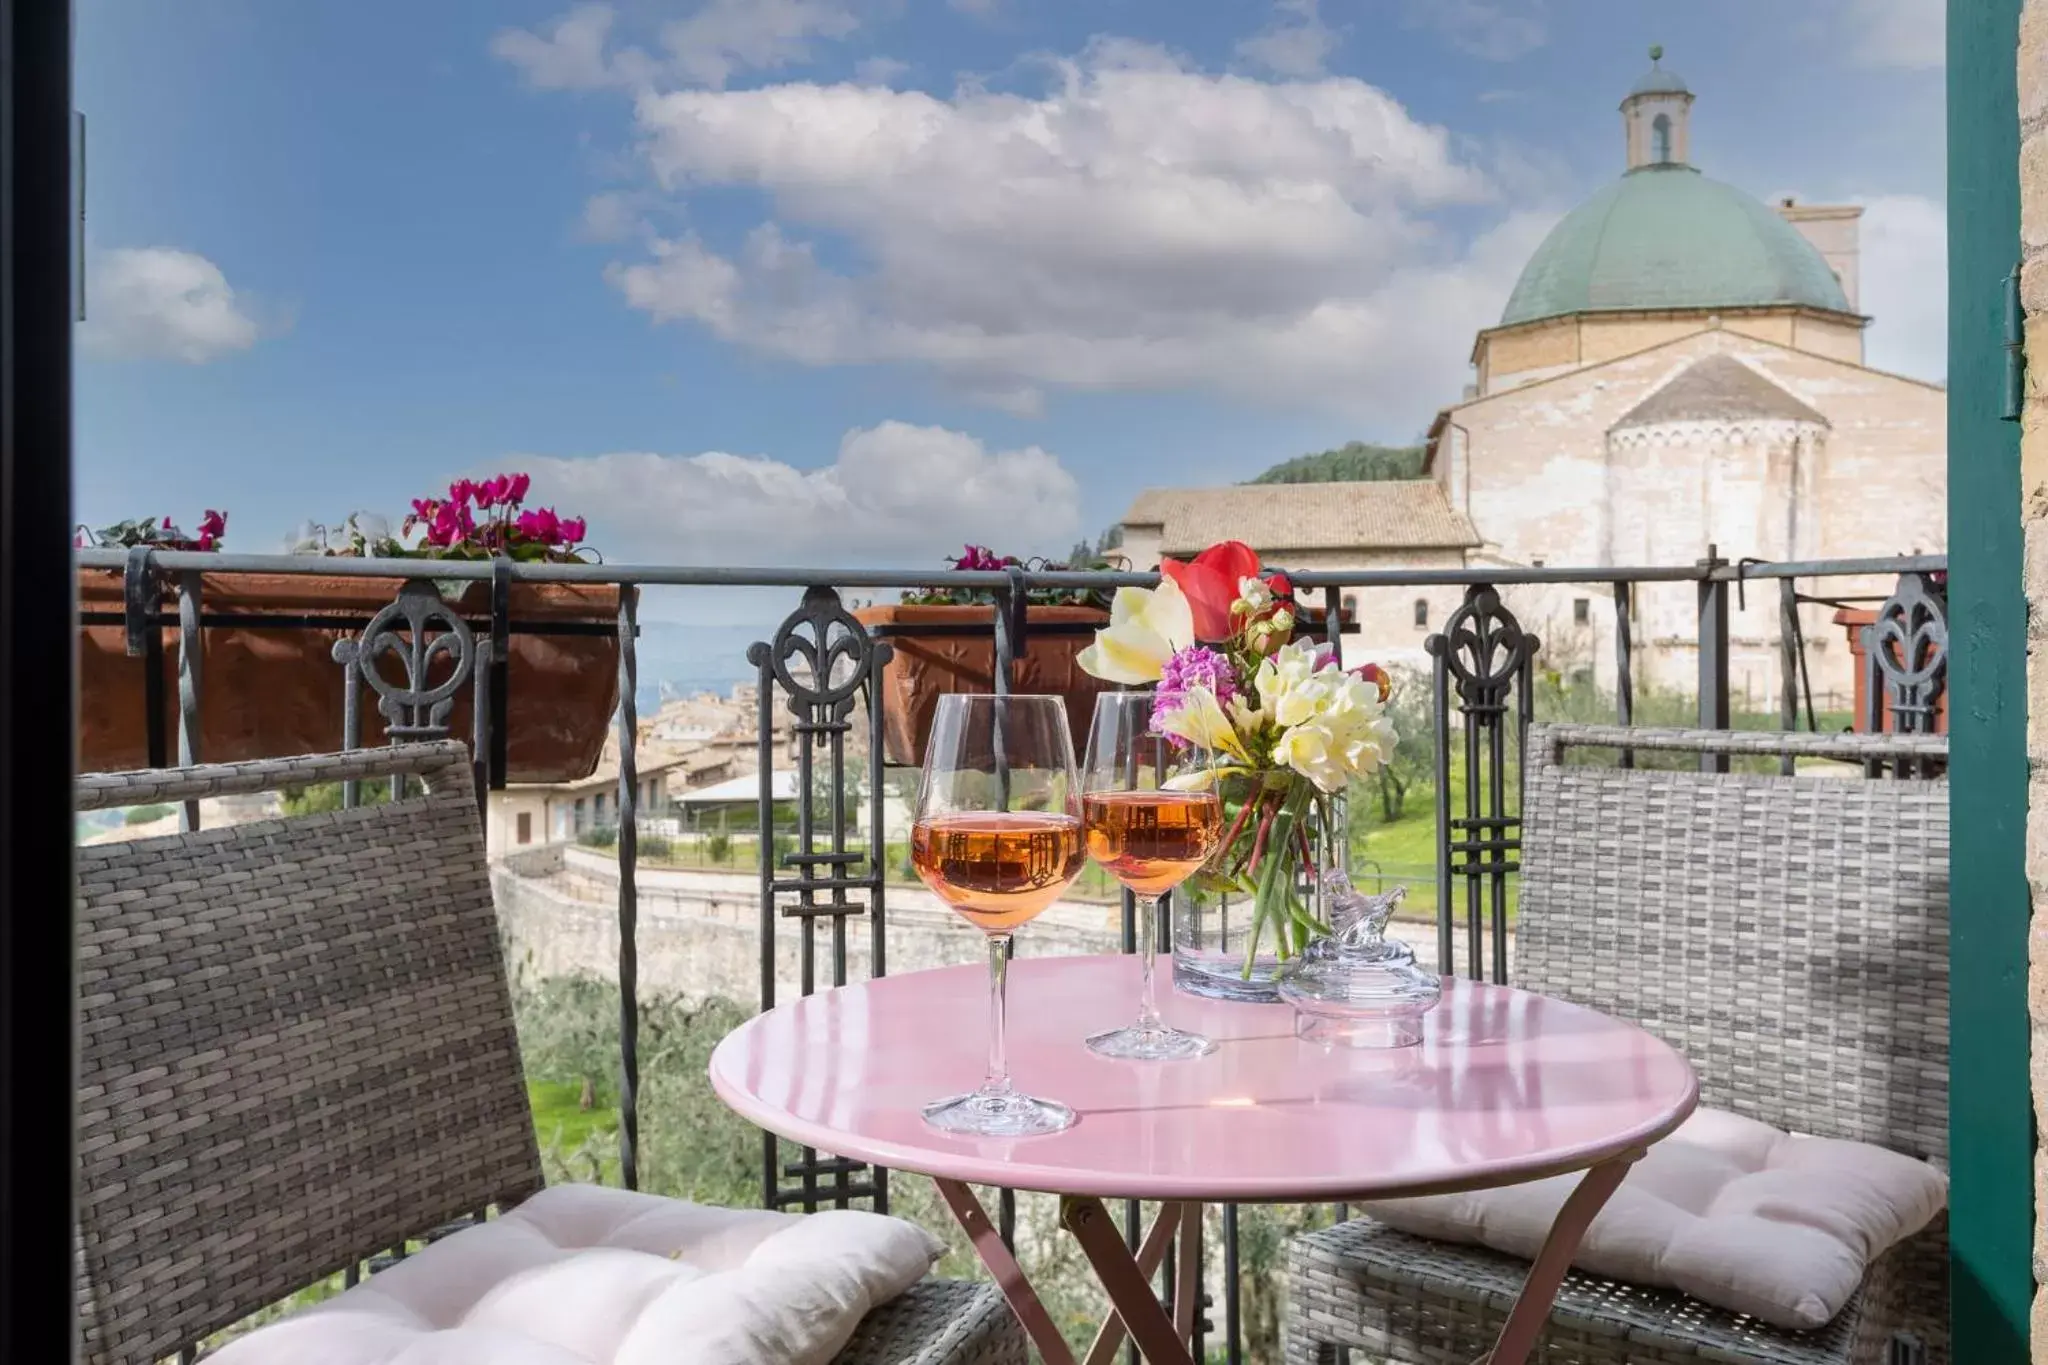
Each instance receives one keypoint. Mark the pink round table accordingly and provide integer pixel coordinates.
(1505, 1087)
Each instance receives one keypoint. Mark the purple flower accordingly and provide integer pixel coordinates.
(1199, 666)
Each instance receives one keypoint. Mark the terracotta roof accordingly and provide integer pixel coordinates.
(1718, 388)
(1274, 518)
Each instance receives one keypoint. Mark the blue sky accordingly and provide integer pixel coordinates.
(837, 281)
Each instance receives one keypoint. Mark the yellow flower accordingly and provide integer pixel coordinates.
(1200, 720)
(1147, 626)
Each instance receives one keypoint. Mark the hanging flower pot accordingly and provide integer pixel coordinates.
(276, 691)
(943, 641)
(942, 649)
(273, 691)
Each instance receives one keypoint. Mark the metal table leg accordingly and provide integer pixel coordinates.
(1546, 1274)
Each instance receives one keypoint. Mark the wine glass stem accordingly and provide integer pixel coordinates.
(1148, 952)
(998, 1079)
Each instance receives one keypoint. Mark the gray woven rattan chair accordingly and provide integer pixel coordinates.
(1789, 935)
(297, 1051)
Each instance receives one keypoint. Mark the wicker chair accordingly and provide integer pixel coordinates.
(298, 1051)
(1789, 935)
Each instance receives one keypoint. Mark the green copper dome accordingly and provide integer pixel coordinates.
(1665, 236)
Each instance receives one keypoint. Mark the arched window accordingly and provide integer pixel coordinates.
(1422, 613)
(1660, 139)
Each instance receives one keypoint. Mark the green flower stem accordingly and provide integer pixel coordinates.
(1275, 903)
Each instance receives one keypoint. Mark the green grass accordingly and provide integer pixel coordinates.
(1403, 853)
(575, 1143)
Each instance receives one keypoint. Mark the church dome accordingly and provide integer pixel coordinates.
(1658, 81)
(1666, 237)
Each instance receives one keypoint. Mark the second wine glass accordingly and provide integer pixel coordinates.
(1152, 818)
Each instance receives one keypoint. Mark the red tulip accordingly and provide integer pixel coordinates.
(1210, 583)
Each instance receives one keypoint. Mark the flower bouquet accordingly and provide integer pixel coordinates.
(1291, 728)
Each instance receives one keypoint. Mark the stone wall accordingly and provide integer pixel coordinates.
(699, 932)
(2033, 101)
(1509, 357)
(1533, 468)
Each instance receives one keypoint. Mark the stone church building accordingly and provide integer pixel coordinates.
(1679, 366)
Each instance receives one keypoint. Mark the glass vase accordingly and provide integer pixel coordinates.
(1265, 880)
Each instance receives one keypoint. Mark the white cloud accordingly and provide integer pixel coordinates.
(1494, 32)
(1296, 43)
(879, 70)
(163, 304)
(1902, 33)
(570, 56)
(717, 41)
(1138, 225)
(612, 217)
(727, 36)
(895, 495)
(1905, 284)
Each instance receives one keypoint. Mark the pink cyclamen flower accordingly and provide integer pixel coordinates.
(461, 491)
(540, 525)
(212, 527)
(572, 530)
(516, 487)
(447, 527)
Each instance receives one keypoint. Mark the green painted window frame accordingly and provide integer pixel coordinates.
(1991, 1120)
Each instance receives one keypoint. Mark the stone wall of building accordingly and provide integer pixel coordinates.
(1513, 356)
(2033, 101)
(1532, 468)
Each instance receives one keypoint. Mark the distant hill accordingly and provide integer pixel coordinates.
(1353, 462)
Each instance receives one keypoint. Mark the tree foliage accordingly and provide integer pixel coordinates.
(1352, 462)
(322, 797)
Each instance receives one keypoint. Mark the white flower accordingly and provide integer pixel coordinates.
(371, 526)
(1253, 596)
(1147, 626)
(1333, 726)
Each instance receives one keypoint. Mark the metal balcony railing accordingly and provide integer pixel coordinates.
(819, 663)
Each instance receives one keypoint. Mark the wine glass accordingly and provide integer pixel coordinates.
(1152, 818)
(997, 836)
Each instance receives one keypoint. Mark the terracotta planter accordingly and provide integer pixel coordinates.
(1853, 620)
(272, 693)
(925, 667)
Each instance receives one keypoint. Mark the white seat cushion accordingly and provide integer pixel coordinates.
(585, 1275)
(1734, 1212)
